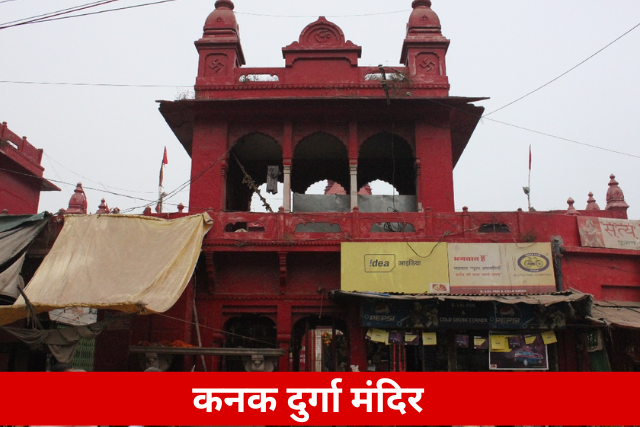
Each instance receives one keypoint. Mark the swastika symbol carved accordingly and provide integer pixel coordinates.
(216, 65)
(428, 65)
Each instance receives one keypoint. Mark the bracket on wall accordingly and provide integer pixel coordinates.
(282, 256)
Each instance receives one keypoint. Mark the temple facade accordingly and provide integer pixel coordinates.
(354, 280)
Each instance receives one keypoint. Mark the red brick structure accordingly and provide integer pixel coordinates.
(20, 174)
(264, 278)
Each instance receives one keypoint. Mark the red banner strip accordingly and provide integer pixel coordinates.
(487, 398)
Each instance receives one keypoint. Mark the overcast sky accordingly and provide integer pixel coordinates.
(112, 138)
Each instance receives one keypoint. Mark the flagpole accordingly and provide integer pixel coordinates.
(160, 181)
(529, 181)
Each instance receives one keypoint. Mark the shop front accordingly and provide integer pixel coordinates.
(423, 333)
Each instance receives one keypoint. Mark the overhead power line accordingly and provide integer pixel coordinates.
(106, 187)
(533, 130)
(53, 18)
(36, 18)
(562, 139)
(86, 84)
(563, 74)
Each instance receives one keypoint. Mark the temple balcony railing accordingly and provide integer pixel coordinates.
(242, 229)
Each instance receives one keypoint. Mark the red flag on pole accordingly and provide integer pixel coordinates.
(529, 157)
(164, 162)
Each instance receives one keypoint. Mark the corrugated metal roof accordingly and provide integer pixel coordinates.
(620, 314)
(538, 299)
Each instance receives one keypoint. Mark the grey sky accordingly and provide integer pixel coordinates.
(114, 137)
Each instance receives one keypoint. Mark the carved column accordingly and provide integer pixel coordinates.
(287, 156)
(353, 170)
(353, 163)
(286, 196)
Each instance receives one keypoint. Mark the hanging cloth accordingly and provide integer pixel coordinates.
(273, 172)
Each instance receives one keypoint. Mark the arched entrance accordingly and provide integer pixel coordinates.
(320, 345)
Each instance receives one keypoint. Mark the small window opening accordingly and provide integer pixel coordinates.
(494, 228)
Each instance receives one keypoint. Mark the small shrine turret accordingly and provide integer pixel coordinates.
(615, 199)
(78, 201)
(424, 48)
(591, 203)
(219, 48)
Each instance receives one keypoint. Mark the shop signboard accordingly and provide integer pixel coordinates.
(394, 313)
(407, 267)
(468, 314)
(511, 352)
(500, 268)
(609, 233)
(460, 314)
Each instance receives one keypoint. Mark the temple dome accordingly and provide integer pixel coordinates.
(221, 19)
(423, 19)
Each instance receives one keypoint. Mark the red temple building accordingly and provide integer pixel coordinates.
(279, 291)
(356, 280)
(20, 174)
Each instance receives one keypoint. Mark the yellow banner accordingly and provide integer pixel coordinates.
(413, 268)
(480, 268)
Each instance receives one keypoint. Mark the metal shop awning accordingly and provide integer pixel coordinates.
(496, 312)
(540, 299)
(618, 314)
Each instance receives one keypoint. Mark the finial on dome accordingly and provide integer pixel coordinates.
(225, 4)
(571, 210)
(591, 203)
(78, 201)
(423, 21)
(417, 3)
(103, 209)
(615, 197)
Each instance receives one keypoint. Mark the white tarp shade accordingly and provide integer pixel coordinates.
(10, 279)
(117, 262)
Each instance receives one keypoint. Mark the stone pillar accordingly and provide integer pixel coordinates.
(287, 161)
(286, 196)
(353, 170)
(353, 163)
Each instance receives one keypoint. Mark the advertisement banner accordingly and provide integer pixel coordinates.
(408, 267)
(392, 313)
(500, 268)
(609, 233)
(517, 352)
(459, 314)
